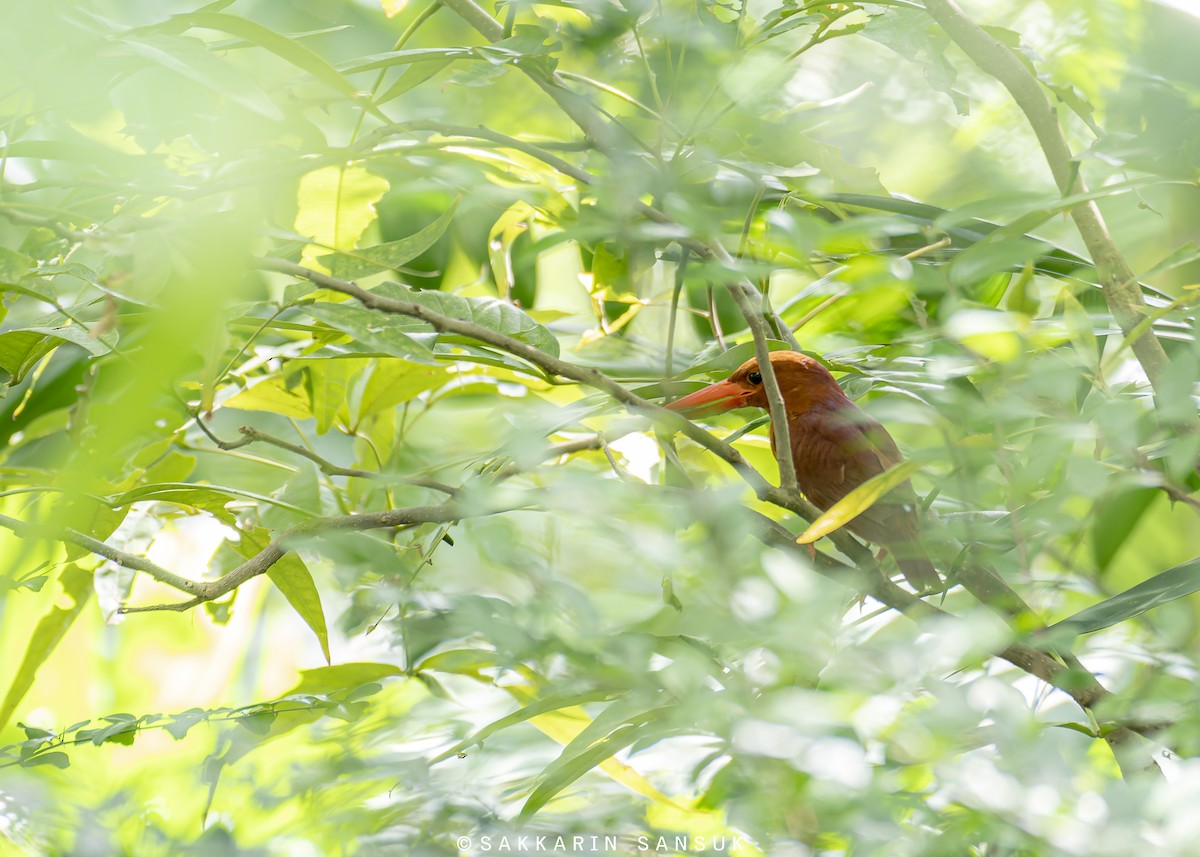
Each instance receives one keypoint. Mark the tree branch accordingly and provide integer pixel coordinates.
(278, 547)
(252, 435)
(1120, 284)
(66, 535)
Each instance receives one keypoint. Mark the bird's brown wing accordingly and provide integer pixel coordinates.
(836, 450)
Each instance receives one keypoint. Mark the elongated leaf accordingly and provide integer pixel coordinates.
(393, 382)
(413, 77)
(987, 257)
(21, 349)
(326, 680)
(349, 264)
(585, 753)
(192, 59)
(387, 60)
(1170, 585)
(857, 501)
(295, 581)
(77, 586)
(292, 577)
(272, 394)
(534, 709)
(1115, 517)
(209, 498)
(286, 49)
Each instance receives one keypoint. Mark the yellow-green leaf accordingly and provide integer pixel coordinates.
(857, 501)
(77, 586)
(335, 205)
(272, 395)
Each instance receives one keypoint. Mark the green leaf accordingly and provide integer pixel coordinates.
(207, 498)
(295, 581)
(1081, 329)
(335, 205)
(393, 58)
(492, 313)
(857, 501)
(192, 59)
(351, 264)
(585, 753)
(393, 382)
(77, 586)
(13, 266)
(56, 758)
(414, 77)
(988, 257)
(292, 577)
(329, 381)
(326, 680)
(534, 709)
(181, 723)
(1170, 585)
(273, 395)
(1114, 518)
(378, 332)
(286, 49)
(20, 350)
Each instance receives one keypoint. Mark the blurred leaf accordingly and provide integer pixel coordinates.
(587, 751)
(858, 501)
(988, 257)
(329, 387)
(326, 680)
(56, 759)
(335, 205)
(1115, 518)
(13, 266)
(192, 59)
(534, 709)
(286, 49)
(50, 630)
(394, 382)
(1170, 585)
(272, 394)
(21, 349)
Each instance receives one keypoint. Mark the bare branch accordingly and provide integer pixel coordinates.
(251, 435)
(69, 536)
(278, 547)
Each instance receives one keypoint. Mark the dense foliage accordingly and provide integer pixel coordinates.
(337, 330)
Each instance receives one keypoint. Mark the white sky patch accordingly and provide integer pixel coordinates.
(1192, 7)
(186, 545)
(641, 454)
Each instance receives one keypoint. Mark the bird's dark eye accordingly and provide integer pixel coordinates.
(754, 377)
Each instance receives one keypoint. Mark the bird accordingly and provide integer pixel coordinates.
(835, 448)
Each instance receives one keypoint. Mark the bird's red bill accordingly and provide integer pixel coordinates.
(722, 396)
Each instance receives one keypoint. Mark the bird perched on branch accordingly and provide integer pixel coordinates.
(835, 448)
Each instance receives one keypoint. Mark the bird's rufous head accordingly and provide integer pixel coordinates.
(803, 381)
